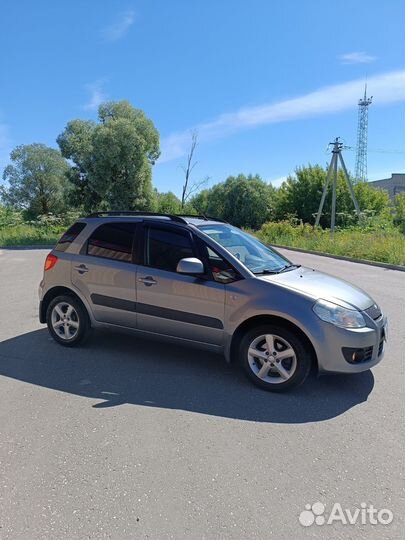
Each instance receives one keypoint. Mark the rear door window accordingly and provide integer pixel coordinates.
(112, 241)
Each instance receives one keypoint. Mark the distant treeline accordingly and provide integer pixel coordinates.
(107, 165)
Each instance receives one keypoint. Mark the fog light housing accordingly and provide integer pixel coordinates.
(356, 355)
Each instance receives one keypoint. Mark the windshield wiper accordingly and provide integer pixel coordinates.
(289, 267)
(278, 271)
(266, 271)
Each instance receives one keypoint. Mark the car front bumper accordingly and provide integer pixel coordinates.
(371, 339)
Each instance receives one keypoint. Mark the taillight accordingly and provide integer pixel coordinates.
(50, 261)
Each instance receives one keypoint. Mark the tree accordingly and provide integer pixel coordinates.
(168, 203)
(37, 180)
(112, 158)
(200, 201)
(244, 201)
(372, 200)
(299, 196)
(190, 188)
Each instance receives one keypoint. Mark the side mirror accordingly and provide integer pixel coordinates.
(191, 265)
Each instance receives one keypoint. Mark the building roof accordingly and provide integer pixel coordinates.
(394, 185)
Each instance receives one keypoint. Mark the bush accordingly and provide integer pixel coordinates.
(46, 229)
(9, 217)
(399, 218)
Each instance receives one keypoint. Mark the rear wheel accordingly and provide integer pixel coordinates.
(67, 320)
(274, 358)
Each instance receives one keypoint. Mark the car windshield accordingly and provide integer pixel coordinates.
(256, 256)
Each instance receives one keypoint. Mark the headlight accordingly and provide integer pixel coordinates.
(338, 315)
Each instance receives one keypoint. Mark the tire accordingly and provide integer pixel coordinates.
(68, 321)
(274, 358)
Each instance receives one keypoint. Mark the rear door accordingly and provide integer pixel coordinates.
(173, 304)
(105, 273)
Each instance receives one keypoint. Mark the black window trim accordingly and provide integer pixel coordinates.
(134, 246)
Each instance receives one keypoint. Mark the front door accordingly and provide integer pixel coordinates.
(105, 273)
(173, 304)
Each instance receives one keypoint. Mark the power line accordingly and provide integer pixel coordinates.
(377, 150)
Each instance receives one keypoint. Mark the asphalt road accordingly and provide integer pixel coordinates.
(131, 439)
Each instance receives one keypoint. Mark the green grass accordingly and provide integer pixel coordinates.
(386, 246)
(16, 230)
(26, 234)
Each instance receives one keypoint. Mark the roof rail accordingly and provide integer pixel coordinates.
(202, 216)
(117, 213)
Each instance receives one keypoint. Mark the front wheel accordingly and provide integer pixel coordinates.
(67, 320)
(274, 358)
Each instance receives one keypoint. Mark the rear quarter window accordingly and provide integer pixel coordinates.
(112, 241)
(69, 236)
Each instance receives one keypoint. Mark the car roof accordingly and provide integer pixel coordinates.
(141, 216)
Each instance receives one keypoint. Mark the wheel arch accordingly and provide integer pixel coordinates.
(269, 319)
(53, 293)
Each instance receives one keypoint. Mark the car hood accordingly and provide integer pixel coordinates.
(320, 285)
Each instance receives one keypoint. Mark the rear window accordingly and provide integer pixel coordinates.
(112, 241)
(69, 236)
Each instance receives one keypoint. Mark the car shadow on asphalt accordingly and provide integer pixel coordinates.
(116, 368)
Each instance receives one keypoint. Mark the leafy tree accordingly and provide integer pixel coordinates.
(112, 158)
(200, 201)
(168, 203)
(37, 180)
(299, 196)
(245, 201)
(373, 200)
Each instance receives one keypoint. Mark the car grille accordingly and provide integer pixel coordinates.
(381, 344)
(368, 354)
(374, 312)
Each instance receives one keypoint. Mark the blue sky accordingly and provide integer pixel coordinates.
(266, 84)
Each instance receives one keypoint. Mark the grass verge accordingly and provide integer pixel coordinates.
(386, 246)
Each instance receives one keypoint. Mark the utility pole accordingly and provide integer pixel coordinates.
(362, 133)
(333, 173)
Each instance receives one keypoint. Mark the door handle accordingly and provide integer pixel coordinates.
(148, 281)
(82, 268)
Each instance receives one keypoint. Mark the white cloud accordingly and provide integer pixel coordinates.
(386, 88)
(120, 27)
(356, 58)
(97, 95)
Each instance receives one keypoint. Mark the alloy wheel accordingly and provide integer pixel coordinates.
(65, 321)
(272, 359)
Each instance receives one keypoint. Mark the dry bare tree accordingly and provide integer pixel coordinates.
(189, 188)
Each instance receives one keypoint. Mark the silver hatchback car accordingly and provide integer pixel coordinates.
(202, 282)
